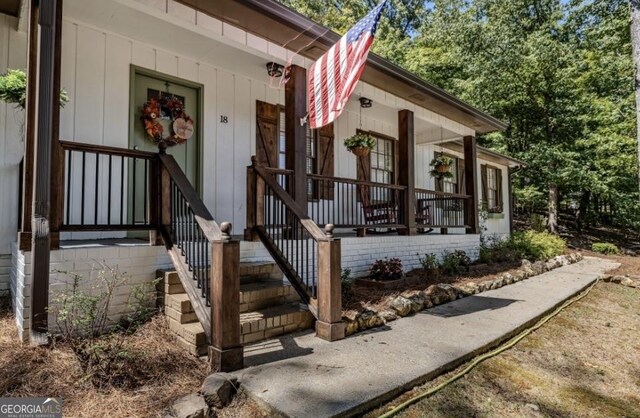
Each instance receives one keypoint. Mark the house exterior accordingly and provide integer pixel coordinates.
(304, 201)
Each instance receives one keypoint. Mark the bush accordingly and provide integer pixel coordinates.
(536, 246)
(429, 262)
(387, 269)
(495, 249)
(454, 263)
(347, 285)
(605, 248)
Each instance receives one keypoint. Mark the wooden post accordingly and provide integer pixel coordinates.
(470, 173)
(510, 197)
(226, 353)
(252, 202)
(24, 236)
(329, 325)
(41, 220)
(57, 153)
(406, 169)
(295, 100)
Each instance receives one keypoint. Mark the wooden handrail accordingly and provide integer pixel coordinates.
(356, 182)
(444, 194)
(204, 218)
(306, 222)
(103, 149)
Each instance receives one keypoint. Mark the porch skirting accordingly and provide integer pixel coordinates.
(140, 263)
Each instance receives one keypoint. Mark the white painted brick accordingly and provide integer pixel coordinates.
(210, 23)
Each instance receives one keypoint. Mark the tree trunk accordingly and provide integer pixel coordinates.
(552, 223)
(582, 219)
(635, 48)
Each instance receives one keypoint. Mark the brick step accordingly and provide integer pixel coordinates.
(191, 333)
(271, 322)
(253, 272)
(179, 302)
(264, 294)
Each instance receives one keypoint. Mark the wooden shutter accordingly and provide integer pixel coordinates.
(462, 188)
(325, 164)
(485, 191)
(364, 168)
(267, 134)
(499, 181)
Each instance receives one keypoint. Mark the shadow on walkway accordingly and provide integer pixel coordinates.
(469, 305)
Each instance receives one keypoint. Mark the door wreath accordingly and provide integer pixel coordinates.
(180, 125)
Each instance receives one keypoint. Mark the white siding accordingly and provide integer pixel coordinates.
(13, 56)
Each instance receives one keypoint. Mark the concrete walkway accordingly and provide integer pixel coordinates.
(303, 376)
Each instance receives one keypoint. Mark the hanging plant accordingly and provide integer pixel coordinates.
(360, 144)
(13, 89)
(441, 167)
(166, 108)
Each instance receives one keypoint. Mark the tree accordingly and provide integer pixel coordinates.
(635, 43)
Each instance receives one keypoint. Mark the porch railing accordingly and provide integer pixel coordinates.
(106, 188)
(441, 210)
(349, 203)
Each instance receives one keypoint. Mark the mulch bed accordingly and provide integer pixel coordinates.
(379, 298)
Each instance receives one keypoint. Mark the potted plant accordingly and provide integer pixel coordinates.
(441, 167)
(13, 89)
(360, 144)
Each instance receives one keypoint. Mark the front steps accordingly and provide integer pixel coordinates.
(269, 307)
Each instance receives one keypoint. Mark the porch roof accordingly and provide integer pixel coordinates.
(10, 7)
(487, 154)
(281, 25)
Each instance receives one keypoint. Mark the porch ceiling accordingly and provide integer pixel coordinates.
(10, 7)
(281, 25)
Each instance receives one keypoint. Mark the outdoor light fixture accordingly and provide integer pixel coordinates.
(274, 69)
(365, 102)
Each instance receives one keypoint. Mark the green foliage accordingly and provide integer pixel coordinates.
(360, 140)
(531, 245)
(454, 263)
(438, 161)
(429, 262)
(605, 248)
(347, 285)
(13, 89)
(536, 246)
(387, 269)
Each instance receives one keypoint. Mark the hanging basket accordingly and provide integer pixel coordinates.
(442, 168)
(360, 151)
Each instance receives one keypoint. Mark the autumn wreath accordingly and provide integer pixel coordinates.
(181, 125)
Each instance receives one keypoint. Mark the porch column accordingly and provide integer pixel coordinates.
(295, 101)
(406, 169)
(26, 207)
(329, 325)
(470, 173)
(47, 122)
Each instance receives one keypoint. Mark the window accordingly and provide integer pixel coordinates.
(382, 161)
(492, 188)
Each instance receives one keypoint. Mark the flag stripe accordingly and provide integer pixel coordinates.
(333, 77)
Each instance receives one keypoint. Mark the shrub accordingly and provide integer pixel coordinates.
(456, 262)
(429, 262)
(536, 246)
(347, 284)
(494, 249)
(605, 248)
(387, 269)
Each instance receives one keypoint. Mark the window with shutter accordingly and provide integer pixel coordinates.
(492, 189)
(271, 147)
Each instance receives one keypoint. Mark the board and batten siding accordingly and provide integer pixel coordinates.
(13, 52)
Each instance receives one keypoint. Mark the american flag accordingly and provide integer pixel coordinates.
(334, 76)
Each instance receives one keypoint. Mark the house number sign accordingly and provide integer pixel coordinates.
(224, 119)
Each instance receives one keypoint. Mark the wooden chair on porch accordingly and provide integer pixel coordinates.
(385, 212)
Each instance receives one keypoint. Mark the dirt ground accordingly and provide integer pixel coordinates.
(582, 363)
(164, 373)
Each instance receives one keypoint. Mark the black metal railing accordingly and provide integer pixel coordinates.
(441, 210)
(106, 188)
(189, 238)
(349, 203)
(289, 235)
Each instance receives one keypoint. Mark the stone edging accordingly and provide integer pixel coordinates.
(441, 293)
(626, 280)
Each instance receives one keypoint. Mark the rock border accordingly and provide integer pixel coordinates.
(625, 280)
(441, 293)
